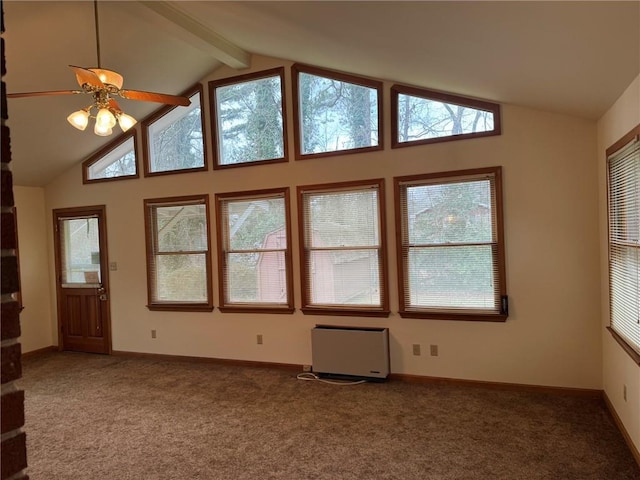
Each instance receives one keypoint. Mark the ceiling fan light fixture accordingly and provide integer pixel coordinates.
(108, 77)
(103, 85)
(105, 118)
(126, 121)
(79, 119)
(102, 130)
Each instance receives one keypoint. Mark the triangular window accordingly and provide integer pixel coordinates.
(423, 116)
(116, 161)
(174, 138)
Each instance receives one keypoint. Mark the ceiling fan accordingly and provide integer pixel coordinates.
(103, 85)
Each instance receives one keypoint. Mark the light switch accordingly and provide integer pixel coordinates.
(113, 266)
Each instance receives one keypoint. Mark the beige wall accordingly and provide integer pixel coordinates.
(553, 335)
(36, 318)
(618, 368)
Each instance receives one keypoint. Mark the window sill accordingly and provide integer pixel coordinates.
(334, 153)
(177, 171)
(475, 317)
(180, 307)
(87, 181)
(344, 312)
(635, 356)
(256, 309)
(252, 163)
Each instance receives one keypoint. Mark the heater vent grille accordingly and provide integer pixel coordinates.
(350, 351)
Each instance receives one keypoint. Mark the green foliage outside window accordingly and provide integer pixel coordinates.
(336, 115)
(250, 125)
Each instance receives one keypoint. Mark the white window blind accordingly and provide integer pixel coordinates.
(343, 249)
(451, 253)
(255, 258)
(178, 252)
(624, 242)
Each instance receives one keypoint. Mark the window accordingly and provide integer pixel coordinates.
(623, 167)
(335, 113)
(178, 258)
(421, 116)
(173, 138)
(451, 246)
(116, 161)
(255, 258)
(343, 252)
(249, 118)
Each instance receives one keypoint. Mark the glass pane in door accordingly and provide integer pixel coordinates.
(80, 251)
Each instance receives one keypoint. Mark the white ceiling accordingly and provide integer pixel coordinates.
(569, 57)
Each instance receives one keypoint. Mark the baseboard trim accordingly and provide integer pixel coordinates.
(221, 361)
(393, 376)
(39, 352)
(627, 438)
(519, 387)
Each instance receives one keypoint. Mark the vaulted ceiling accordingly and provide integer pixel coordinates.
(574, 58)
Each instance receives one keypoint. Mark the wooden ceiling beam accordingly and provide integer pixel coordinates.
(170, 17)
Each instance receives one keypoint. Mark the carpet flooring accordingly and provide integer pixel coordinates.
(119, 418)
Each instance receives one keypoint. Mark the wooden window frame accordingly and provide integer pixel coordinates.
(229, 307)
(449, 98)
(214, 84)
(100, 154)
(341, 310)
(633, 135)
(407, 311)
(157, 115)
(150, 240)
(377, 85)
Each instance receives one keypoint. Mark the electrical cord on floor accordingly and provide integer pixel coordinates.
(312, 377)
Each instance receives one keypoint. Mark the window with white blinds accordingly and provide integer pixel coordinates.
(254, 253)
(624, 241)
(343, 248)
(178, 253)
(451, 246)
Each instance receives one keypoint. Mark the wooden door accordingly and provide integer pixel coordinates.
(82, 277)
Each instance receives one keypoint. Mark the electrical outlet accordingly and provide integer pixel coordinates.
(259, 339)
(306, 368)
(153, 334)
(416, 349)
(434, 350)
(624, 392)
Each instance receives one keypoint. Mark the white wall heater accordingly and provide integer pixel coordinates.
(350, 351)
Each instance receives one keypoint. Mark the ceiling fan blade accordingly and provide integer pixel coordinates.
(41, 94)
(84, 75)
(155, 97)
(114, 105)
